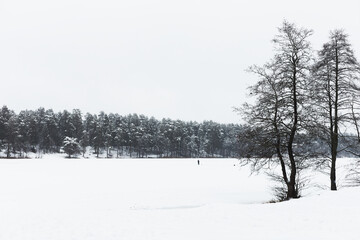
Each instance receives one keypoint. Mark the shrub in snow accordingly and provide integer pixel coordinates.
(71, 146)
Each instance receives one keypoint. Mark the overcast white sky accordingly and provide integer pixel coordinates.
(177, 59)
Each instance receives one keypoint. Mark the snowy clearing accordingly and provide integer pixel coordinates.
(55, 198)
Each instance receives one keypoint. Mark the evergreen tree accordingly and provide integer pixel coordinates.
(71, 146)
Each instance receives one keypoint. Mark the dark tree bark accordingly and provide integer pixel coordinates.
(336, 74)
(281, 95)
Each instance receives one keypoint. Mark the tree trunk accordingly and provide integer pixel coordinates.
(292, 191)
(335, 134)
(8, 151)
(333, 174)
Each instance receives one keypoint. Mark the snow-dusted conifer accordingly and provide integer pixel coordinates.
(71, 146)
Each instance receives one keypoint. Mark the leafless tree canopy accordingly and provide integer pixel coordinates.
(302, 102)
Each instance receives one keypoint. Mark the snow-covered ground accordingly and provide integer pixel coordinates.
(153, 199)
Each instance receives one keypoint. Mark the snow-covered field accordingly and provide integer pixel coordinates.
(152, 199)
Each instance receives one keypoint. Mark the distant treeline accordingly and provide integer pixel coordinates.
(113, 135)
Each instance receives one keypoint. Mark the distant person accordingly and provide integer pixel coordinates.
(198, 162)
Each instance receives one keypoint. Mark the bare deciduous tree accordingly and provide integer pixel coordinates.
(279, 114)
(336, 93)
